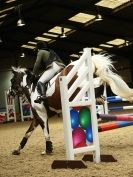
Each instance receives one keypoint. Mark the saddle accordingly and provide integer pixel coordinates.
(54, 99)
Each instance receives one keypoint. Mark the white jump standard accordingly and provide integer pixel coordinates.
(79, 100)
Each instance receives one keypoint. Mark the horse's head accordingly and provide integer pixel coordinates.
(18, 81)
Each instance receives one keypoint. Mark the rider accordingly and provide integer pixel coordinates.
(51, 64)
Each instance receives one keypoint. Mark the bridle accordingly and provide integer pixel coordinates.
(16, 88)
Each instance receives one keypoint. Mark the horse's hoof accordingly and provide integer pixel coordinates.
(49, 152)
(43, 153)
(49, 147)
(16, 152)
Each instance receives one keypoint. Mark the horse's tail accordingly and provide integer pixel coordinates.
(105, 67)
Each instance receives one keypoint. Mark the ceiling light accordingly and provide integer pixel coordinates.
(31, 42)
(6, 10)
(112, 3)
(20, 22)
(63, 35)
(106, 45)
(74, 55)
(2, 16)
(39, 38)
(82, 18)
(51, 35)
(98, 18)
(126, 43)
(57, 30)
(28, 46)
(9, 1)
(95, 49)
(22, 55)
(116, 42)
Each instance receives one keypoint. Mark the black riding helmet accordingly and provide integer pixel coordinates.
(41, 45)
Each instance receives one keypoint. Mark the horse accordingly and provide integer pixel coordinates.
(102, 67)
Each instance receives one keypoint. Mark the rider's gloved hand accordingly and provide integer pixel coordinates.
(36, 78)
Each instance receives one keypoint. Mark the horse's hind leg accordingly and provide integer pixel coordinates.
(23, 142)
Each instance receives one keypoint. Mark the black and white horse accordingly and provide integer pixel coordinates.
(21, 84)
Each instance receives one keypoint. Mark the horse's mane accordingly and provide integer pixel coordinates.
(19, 69)
(30, 79)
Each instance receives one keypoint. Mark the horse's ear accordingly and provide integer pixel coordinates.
(13, 69)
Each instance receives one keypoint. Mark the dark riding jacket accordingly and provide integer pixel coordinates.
(45, 58)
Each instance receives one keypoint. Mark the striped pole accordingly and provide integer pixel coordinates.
(113, 97)
(120, 108)
(115, 100)
(115, 125)
(116, 117)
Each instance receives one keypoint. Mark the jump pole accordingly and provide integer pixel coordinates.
(78, 101)
(116, 117)
(114, 99)
(111, 99)
(115, 125)
(116, 108)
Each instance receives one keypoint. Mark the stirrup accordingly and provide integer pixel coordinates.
(40, 99)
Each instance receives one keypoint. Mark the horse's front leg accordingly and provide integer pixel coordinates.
(45, 127)
(23, 142)
(49, 145)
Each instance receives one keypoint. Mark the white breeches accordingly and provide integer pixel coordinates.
(48, 74)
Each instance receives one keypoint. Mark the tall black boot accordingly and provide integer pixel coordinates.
(41, 88)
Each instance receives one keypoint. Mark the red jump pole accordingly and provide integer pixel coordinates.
(116, 117)
(115, 125)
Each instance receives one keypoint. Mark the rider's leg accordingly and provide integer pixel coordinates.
(47, 75)
(41, 87)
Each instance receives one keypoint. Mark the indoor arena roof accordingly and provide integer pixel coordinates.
(68, 26)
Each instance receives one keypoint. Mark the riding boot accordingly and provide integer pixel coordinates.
(41, 88)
